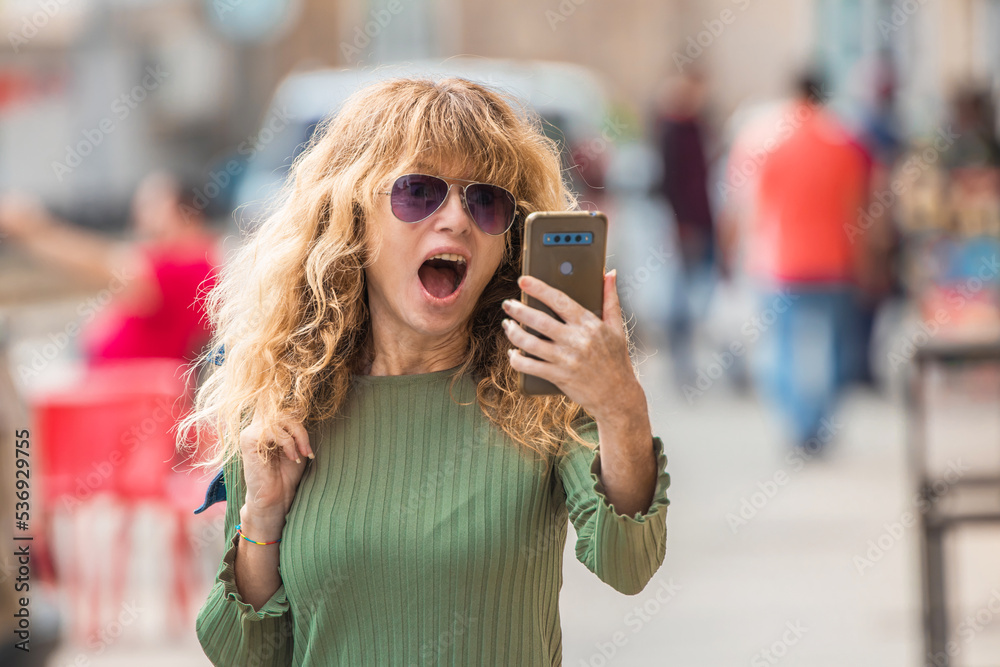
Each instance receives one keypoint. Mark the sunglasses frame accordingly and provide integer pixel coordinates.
(465, 203)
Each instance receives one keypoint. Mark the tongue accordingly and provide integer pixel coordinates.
(439, 281)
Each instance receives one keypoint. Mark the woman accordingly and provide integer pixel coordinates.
(148, 304)
(399, 501)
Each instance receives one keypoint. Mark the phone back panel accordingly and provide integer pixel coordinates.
(574, 266)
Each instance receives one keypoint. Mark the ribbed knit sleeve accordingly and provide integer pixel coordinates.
(624, 551)
(231, 632)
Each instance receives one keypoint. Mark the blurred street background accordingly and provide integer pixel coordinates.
(804, 207)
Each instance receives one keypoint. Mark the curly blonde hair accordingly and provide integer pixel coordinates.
(291, 307)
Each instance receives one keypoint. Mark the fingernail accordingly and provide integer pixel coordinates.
(298, 460)
(311, 455)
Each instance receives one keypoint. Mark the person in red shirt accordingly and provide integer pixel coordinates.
(813, 184)
(149, 305)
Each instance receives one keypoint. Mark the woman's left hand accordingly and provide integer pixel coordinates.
(587, 357)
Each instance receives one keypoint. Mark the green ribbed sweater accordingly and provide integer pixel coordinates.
(422, 535)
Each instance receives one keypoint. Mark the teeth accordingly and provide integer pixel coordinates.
(451, 257)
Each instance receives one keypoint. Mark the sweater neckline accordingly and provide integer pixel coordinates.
(413, 378)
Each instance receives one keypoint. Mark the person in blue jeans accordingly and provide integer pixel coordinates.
(810, 354)
(802, 247)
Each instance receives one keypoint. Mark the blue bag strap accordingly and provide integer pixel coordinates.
(217, 487)
(216, 492)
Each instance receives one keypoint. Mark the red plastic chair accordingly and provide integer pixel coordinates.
(112, 436)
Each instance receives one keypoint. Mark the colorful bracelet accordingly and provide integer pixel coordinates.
(240, 533)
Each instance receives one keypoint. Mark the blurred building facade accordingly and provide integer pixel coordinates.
(91, 90)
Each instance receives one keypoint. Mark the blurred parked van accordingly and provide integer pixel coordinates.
(570, 99)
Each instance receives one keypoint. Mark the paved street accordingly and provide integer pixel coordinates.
(760, 545)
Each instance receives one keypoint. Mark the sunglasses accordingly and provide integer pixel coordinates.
(416, 197)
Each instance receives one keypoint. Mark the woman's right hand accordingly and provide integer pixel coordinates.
(271, 482)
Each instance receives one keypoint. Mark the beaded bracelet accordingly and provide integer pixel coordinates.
(240, 533)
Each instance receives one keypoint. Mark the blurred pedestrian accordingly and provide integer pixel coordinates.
(876, 81)
(150, 283)
(877, 133)
(976, 144)
(811, 188)
(680, 140)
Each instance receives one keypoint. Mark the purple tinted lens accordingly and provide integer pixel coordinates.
(491, 207)
(416, 196)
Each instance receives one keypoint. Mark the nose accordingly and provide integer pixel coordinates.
(452, 214)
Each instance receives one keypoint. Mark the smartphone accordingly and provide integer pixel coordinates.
(565, 249)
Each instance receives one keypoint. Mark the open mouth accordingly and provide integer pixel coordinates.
(442, 274)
